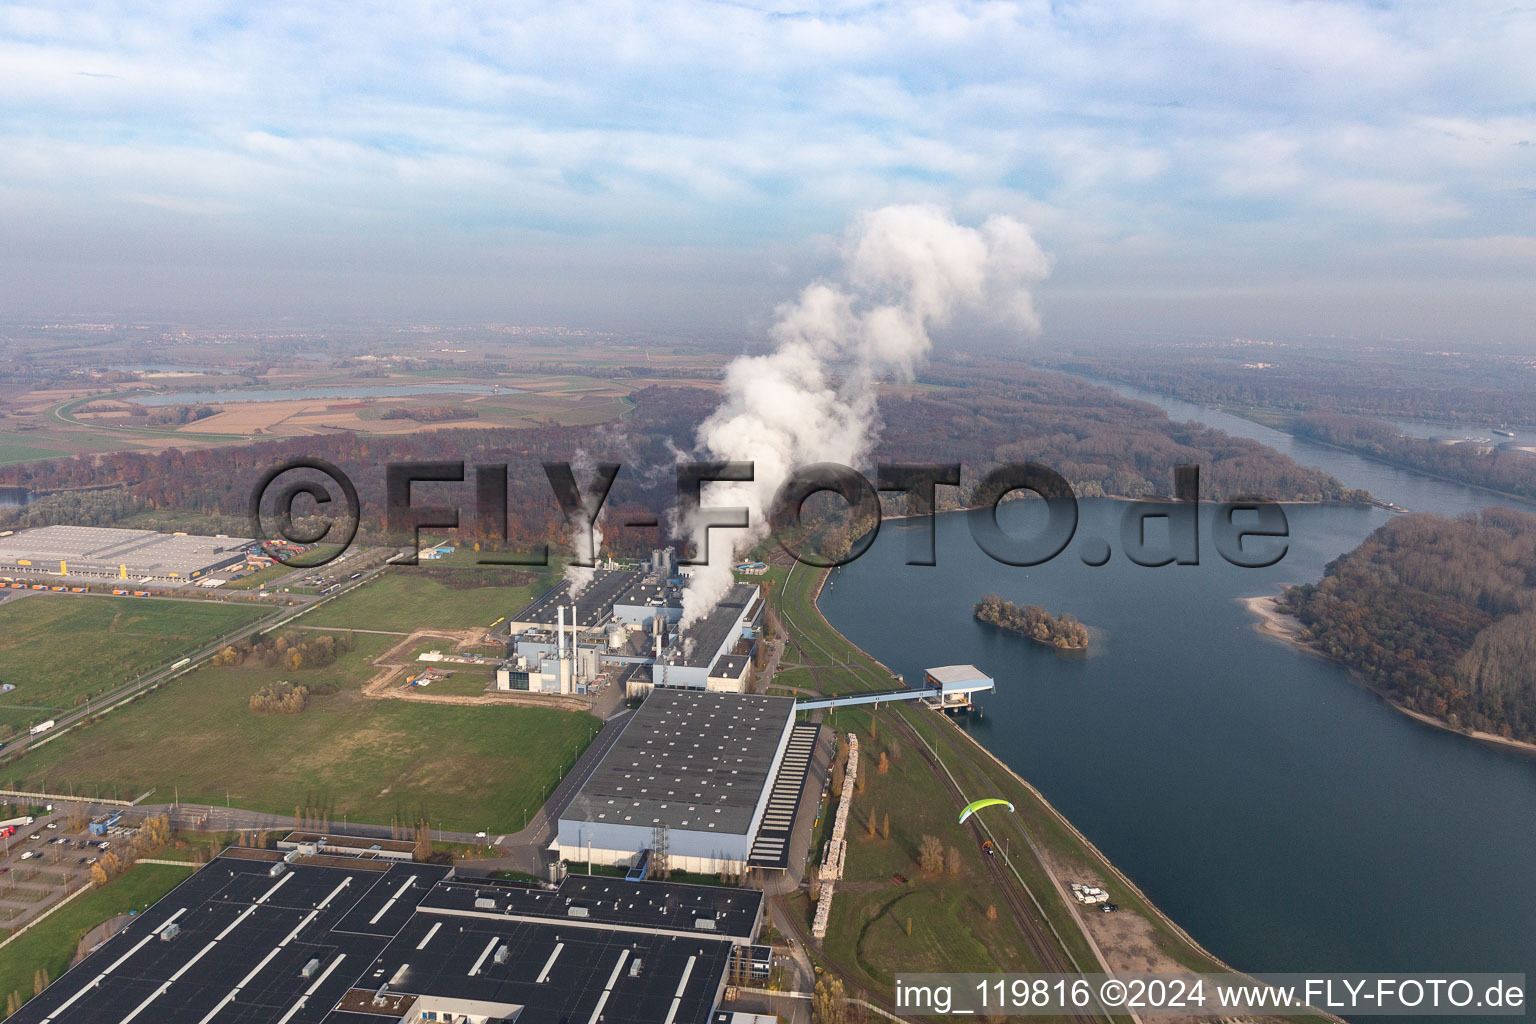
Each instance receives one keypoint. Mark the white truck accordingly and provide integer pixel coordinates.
(42, 727)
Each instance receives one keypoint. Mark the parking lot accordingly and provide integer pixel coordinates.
(44, 861)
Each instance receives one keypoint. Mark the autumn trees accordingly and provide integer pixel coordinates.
(1061, 631)
(1439, 614)
(153, 833)
(293, 649)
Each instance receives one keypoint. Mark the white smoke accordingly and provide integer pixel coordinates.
(586, 544)
(813, 399)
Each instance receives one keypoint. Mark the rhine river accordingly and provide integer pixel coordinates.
(1288, 818)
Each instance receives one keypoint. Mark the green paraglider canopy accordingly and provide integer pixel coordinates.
(976, 805)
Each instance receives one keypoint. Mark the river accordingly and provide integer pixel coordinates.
(1288, 818)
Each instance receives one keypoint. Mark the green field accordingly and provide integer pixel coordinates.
(51, 945)
(399, 602)
(464, 768)
(114, 640)
(12, 451)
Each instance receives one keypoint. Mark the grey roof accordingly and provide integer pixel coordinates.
(688, 759)
(708, 636)
(952, 674)
(730, 666)
(642, 593)
(145, 552)
(593, 603)
(642, 906)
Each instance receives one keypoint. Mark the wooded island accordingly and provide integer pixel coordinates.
(1060, 631)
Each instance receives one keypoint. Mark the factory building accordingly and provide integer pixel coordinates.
(560, 643)
(111, 553)
(256, 935)
(689, 778)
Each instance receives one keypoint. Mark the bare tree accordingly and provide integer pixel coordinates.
(930, 855)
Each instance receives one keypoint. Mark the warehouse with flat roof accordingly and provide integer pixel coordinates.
(334, 940)
(692, 770)
(112, 553)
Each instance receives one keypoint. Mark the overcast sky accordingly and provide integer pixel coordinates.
(1227, 167)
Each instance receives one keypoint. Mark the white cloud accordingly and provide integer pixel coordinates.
(1152, 130)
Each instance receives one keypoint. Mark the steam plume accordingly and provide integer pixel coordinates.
(905, 269)
(586, 545)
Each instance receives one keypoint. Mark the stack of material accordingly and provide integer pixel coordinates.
(837, 847)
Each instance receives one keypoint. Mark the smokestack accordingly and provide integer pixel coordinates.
(572, 646)
(560, 631)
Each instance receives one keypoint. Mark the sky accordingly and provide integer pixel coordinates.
(1232, 167)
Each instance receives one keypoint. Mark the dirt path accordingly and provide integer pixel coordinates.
(388, 683)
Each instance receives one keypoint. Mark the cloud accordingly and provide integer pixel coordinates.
(1203, 128)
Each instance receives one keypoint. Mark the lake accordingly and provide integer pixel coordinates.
(1288, 818)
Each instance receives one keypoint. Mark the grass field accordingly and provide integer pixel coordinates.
(462, 683)
(464, 768)
(398, 602)
(114, 639)
(51, 945)
(12, 451)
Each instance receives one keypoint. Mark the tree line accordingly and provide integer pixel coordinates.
(1381, 380)
(981, 414)
(1497, 467)
(292, 650)
(1437, 614)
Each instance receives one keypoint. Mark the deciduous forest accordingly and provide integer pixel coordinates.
(1439, 615)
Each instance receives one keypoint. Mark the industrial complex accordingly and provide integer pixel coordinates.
(109, 553)
(690, 780)
(698, 774)
(630, 620)
(287, 938)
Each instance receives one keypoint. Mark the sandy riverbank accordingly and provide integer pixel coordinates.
(1273, 622)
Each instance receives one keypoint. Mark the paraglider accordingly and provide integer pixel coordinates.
(976, 805)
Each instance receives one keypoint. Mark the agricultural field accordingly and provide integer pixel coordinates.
(12, 449)
(59, 649)
(463, 768)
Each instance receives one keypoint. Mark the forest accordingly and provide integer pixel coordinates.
(1496, 467)
(1062, 631)
(431, 414)
(1437, 614)
(980, 413)
(1396, 380)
